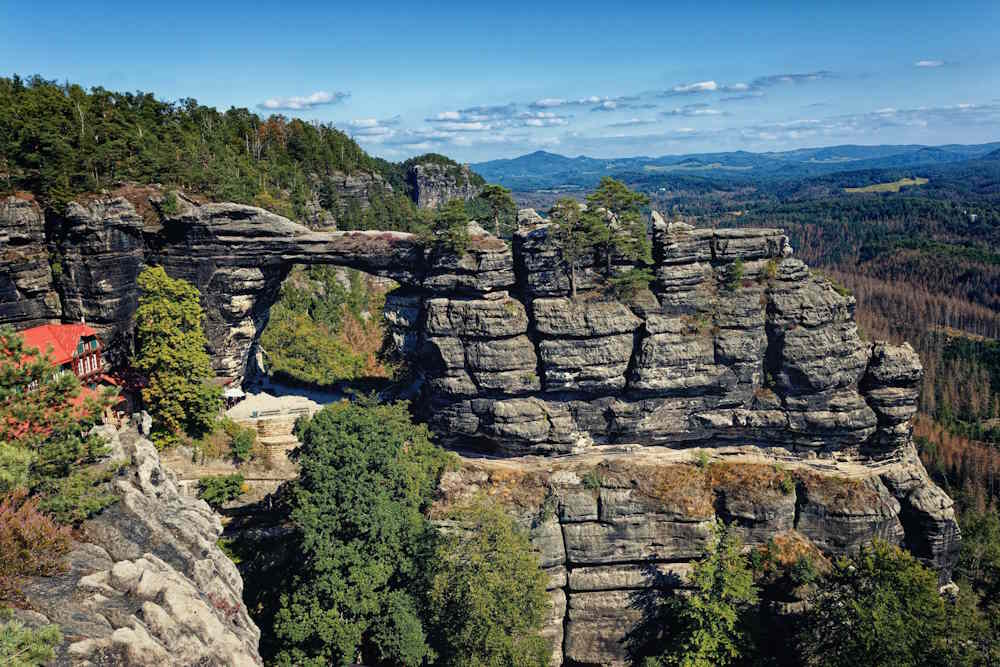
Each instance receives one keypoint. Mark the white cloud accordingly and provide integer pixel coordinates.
(298, 103)
(632, 122)
(928, 63)
(698, 87)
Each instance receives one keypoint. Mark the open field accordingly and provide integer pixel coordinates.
(894, 186)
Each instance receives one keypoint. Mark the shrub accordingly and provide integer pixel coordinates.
(217, 490)
(734, 274)
(170, 205)
(242, 439)
(81, 495)
(631, 282)
(21, 646)
(771, 269)
(702, 458)
(592, 480)
(31, 542)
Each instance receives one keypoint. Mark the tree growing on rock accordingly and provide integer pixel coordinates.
(448, 227)
(575, 232)
(172, 354)
(626, 231)
(502, 209)
(881, 607)
(709, 626)
(486, 596)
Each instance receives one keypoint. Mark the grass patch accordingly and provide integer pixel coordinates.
(894, 186)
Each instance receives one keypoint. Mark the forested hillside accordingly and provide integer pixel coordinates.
(58, 141)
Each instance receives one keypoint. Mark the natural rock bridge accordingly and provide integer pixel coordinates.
(760, 369)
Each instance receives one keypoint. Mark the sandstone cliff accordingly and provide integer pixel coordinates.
(596, 405)
(433, 183)
(146, 583)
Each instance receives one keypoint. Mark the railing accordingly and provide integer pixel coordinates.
(278, 412)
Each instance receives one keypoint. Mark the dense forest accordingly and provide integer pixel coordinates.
(60, 140)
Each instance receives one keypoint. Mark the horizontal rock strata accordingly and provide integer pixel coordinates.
(610, 527)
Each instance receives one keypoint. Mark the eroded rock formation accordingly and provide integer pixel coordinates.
(147, 585)
(434, 183)
(737, 349)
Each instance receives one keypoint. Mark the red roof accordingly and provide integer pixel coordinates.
(63, 339)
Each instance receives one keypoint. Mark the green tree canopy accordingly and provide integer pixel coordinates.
(172, 354)
(486, 597)
(367, 475)
(708, 626)
(881, 607)
(626, 229)
(448, 227)
(575, 233)
(502, 210)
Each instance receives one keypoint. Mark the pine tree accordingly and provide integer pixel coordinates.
(575, 233)
(501, 206)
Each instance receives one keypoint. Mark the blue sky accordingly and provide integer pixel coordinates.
(496, 80)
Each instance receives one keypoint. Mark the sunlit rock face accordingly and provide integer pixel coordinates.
(593, 409)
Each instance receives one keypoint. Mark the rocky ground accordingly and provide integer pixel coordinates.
(146, 583)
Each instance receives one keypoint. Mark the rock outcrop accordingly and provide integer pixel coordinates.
(615, 523)
(27, 294)
(434, 183)
(736, 349)
(146, 584)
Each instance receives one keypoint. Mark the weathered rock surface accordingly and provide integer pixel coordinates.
(735, 348)
(27, 294)
(147, 585)
(611, 527)
(434, 184)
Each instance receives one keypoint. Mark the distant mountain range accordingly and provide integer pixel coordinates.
(542, 170)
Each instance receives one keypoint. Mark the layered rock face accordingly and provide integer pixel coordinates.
(433, 184)
(736, 349)
(615, 523)
(147, 585)
(27, 294)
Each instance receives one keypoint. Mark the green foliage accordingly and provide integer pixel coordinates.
(242, 439)
(80, 495)
(486, 598)
(702, 458)
(170, 204)
(306, 337)
(631, 282)
(61, 140)
(621, 210)
(592, 480)
(21, 646)
(734, 274)
(367, 475)
(172, 354)
(217, 490)
(576, 234)
(447, 228)
(880, 607)
(771, 269)
(44, 440)
(501, 207)
(708, 627)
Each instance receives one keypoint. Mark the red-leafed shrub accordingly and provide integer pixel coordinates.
(31, 543)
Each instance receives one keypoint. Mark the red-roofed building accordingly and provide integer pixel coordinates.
(73, 347)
